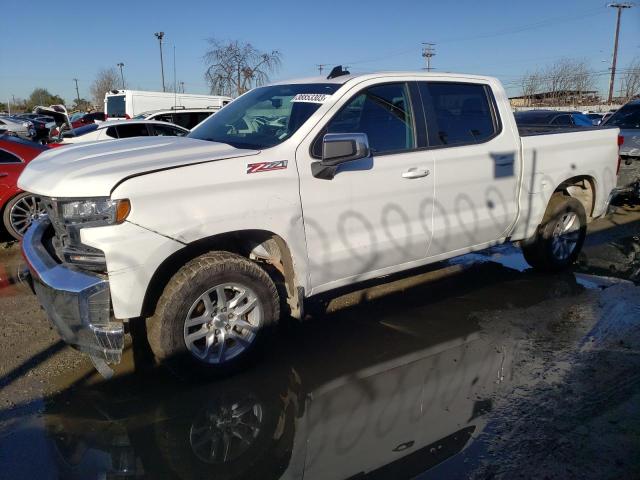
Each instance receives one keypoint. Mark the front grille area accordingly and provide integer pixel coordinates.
(66, 241)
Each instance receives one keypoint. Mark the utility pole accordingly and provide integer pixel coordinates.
(321, 67)
(77, 91)
(160, 36)
(182, 86)
(619, 6)
(121, 74)
(428, 52)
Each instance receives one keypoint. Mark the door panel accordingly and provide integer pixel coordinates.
(376, 212)
(476, 164)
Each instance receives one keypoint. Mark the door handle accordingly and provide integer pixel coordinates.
(3, 174)
(415, 173)
(504, 161)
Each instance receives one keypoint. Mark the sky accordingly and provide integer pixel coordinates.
(47, 44)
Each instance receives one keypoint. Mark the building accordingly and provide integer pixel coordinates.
(559, 98)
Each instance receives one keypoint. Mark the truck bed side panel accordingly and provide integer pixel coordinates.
(549, 160)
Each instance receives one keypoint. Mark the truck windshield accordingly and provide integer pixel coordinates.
(265, 116)
(116, 106)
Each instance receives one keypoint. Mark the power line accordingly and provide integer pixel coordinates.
(510, 31)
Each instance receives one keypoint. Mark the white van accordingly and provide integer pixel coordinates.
(121, 104)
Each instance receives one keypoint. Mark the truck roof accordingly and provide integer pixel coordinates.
(342, 79)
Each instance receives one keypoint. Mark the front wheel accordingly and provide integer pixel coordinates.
(560, 236)
(19, 212)
(213, 315)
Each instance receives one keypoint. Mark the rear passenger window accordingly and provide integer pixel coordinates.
(382, 112)
(167, 131)
(165, 117)
(133, 130)
(457, 113)
(562, 120)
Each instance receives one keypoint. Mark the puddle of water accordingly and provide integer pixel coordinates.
(401, 382)
(391, 388)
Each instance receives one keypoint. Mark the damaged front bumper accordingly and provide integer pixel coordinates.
(77, 303)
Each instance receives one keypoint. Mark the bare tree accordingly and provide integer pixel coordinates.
(236, 67)
(630, 82)
(567, 79)
(531, 84)
(106, 79)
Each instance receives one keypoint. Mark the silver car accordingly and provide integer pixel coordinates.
(17, 126)
(627, 119)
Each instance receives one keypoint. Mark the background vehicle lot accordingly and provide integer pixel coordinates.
(547, 380)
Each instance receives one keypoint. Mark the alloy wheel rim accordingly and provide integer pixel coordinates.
(23, 212)
(565, 236)
(224, 431)
(222, 323)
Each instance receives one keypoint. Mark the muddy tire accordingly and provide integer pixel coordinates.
(213, 316)
(18, 213)
(559, 238)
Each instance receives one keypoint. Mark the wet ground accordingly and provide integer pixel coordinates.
(476, 368)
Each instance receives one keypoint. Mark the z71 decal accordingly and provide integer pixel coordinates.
(266, 166)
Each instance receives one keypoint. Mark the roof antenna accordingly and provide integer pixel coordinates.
(337, 72)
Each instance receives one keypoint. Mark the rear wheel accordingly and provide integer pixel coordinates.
(560, 236)
(19, 212)
(213, 315)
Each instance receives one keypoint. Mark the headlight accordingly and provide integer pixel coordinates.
(95, 211)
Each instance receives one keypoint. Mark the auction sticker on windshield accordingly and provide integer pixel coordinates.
(310, 98)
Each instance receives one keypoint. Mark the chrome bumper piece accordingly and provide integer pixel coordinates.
(78, 304)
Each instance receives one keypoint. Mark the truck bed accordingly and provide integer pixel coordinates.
(532, 130)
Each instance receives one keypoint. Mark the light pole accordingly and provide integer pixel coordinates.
(619, 6)
(121, 74)
(160, 36)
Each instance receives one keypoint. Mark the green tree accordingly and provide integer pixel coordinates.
(42, 96)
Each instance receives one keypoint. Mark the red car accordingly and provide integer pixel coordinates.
(18, 208)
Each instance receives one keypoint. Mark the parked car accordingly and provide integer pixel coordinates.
(18, 208)
(596, 118)
(11, 125)
(553, 117)
(121, 129)
(82, 119)
(293, 190)
(185, 117)
(125, 104)
(627, 119)
(42, 124)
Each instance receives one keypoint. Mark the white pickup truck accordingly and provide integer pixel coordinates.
(295, 189)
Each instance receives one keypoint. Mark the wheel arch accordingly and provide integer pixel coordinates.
(583, 188)
(262, 246)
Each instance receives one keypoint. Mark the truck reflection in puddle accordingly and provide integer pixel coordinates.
(386, 390)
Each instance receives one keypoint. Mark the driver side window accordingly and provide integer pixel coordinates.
(382, 112)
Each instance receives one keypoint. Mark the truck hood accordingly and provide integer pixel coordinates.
(94, 169)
